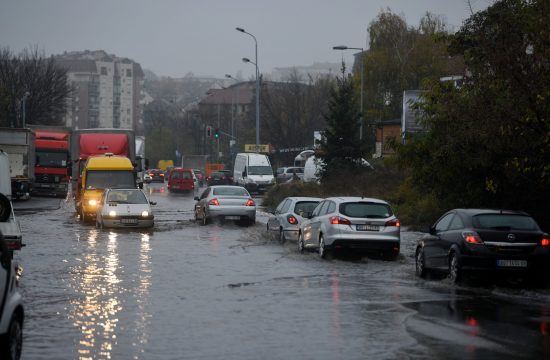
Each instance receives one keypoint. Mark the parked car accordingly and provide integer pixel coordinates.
(356, 224)
(181, 179)
(11, 306)
(285, 174)
(218, 178)
(228, 176)
(199, 175)
(226, 202)
(124, 208)
(482, 240)
(157, 175)
(289, 214)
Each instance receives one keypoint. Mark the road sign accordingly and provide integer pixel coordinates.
(264, 148)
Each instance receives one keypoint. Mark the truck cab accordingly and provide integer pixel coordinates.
(99, 173)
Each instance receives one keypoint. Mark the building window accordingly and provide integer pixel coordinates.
(129, 72)
(103, 70)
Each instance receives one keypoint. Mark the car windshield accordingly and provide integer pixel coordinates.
(185, 175)
(504, 221)
(127, 197)
(305, 206)
(53, 159)
(231, 191)
(102, 179)
(260, 170)
(366, 210)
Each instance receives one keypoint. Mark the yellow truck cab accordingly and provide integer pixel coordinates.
(102, 172)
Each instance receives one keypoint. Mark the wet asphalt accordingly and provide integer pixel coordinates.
(223, 291)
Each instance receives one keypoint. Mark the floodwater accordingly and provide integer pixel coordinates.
(185, 291)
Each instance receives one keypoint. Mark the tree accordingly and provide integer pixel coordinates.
(488, 141)
(340, 146)
(39, 80)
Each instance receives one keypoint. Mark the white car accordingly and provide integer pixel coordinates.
(125, 208)
(11, 306)
(225, 202)
(289, 214)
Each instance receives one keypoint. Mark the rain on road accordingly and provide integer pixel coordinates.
(185, 291)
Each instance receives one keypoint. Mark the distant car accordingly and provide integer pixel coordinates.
(157, 175)
(225, 202)
(466, 241)
(124, 208)
(285, 174)
(199, 175)
(228, 176)
(11, 306)
(289, 214)
(356, 224)
(218, 178)
(181, 179)
(147, 178)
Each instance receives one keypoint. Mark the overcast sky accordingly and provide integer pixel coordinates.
(174, 37)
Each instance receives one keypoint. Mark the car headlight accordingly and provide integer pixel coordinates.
(145, 213)
(112, 213)
(92, 202)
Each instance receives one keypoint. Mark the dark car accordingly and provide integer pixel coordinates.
(218, 178)
(465, 241)
(156, 175)
(228, 176)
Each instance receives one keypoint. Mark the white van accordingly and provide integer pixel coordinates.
(253, 171)
(311, 169)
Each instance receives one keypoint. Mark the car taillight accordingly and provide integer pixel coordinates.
(472, 237)
(545, 241)
(394, 222)
(337, 220)
(250, 202)
(214, 202)
(291, 220)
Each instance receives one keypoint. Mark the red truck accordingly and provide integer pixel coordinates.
(88, 142)
(52, 161)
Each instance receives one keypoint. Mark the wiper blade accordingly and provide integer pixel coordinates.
(501, 227)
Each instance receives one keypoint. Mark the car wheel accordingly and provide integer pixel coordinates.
(455, 273)
(301, 246)
(282, 238)
(421, 263)
(323, 251)
(12, 341)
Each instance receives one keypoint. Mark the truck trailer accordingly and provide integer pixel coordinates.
(18, 143)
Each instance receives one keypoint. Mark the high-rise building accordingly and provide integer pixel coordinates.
(107, 91)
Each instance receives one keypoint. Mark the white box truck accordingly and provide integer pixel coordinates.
(19, 144)
(9, 226)
(253, 171)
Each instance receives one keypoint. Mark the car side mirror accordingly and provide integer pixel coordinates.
(140, 185)
(152, 202)
(244, 173)
(196, 198)
(432, 230)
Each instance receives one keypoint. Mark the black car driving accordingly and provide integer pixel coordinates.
(464, 241)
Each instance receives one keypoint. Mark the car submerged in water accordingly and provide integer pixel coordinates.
(124, 208)
(225, 202)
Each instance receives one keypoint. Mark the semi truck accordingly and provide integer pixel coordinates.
(100, 141)
(18, 143)
(9, 226)
(52, 163)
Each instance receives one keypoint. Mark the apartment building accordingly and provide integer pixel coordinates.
(107, 91)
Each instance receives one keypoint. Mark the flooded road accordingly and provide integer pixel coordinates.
(185, 291)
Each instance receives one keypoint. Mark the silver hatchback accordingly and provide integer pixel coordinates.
(289, 214)
(356, 224)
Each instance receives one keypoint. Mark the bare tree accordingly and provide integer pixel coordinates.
(32, 80)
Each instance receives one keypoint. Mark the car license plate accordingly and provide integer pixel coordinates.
(512, 263)
(233, 218)
(128, 221)
(368, 227)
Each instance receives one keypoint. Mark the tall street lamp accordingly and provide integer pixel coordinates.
(343, 47)
(257, 86)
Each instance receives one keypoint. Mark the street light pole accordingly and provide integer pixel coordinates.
(343, 47)
(257, 87)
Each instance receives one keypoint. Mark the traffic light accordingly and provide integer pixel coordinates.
(209, 131)
(217, 133)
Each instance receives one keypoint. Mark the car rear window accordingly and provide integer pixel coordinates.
(305, 206)
(504, 221)
(366, 210)
(231, 191)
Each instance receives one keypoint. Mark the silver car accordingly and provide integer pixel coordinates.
(125, 208)
(289, 214)
(226, 202)
(356, 224)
